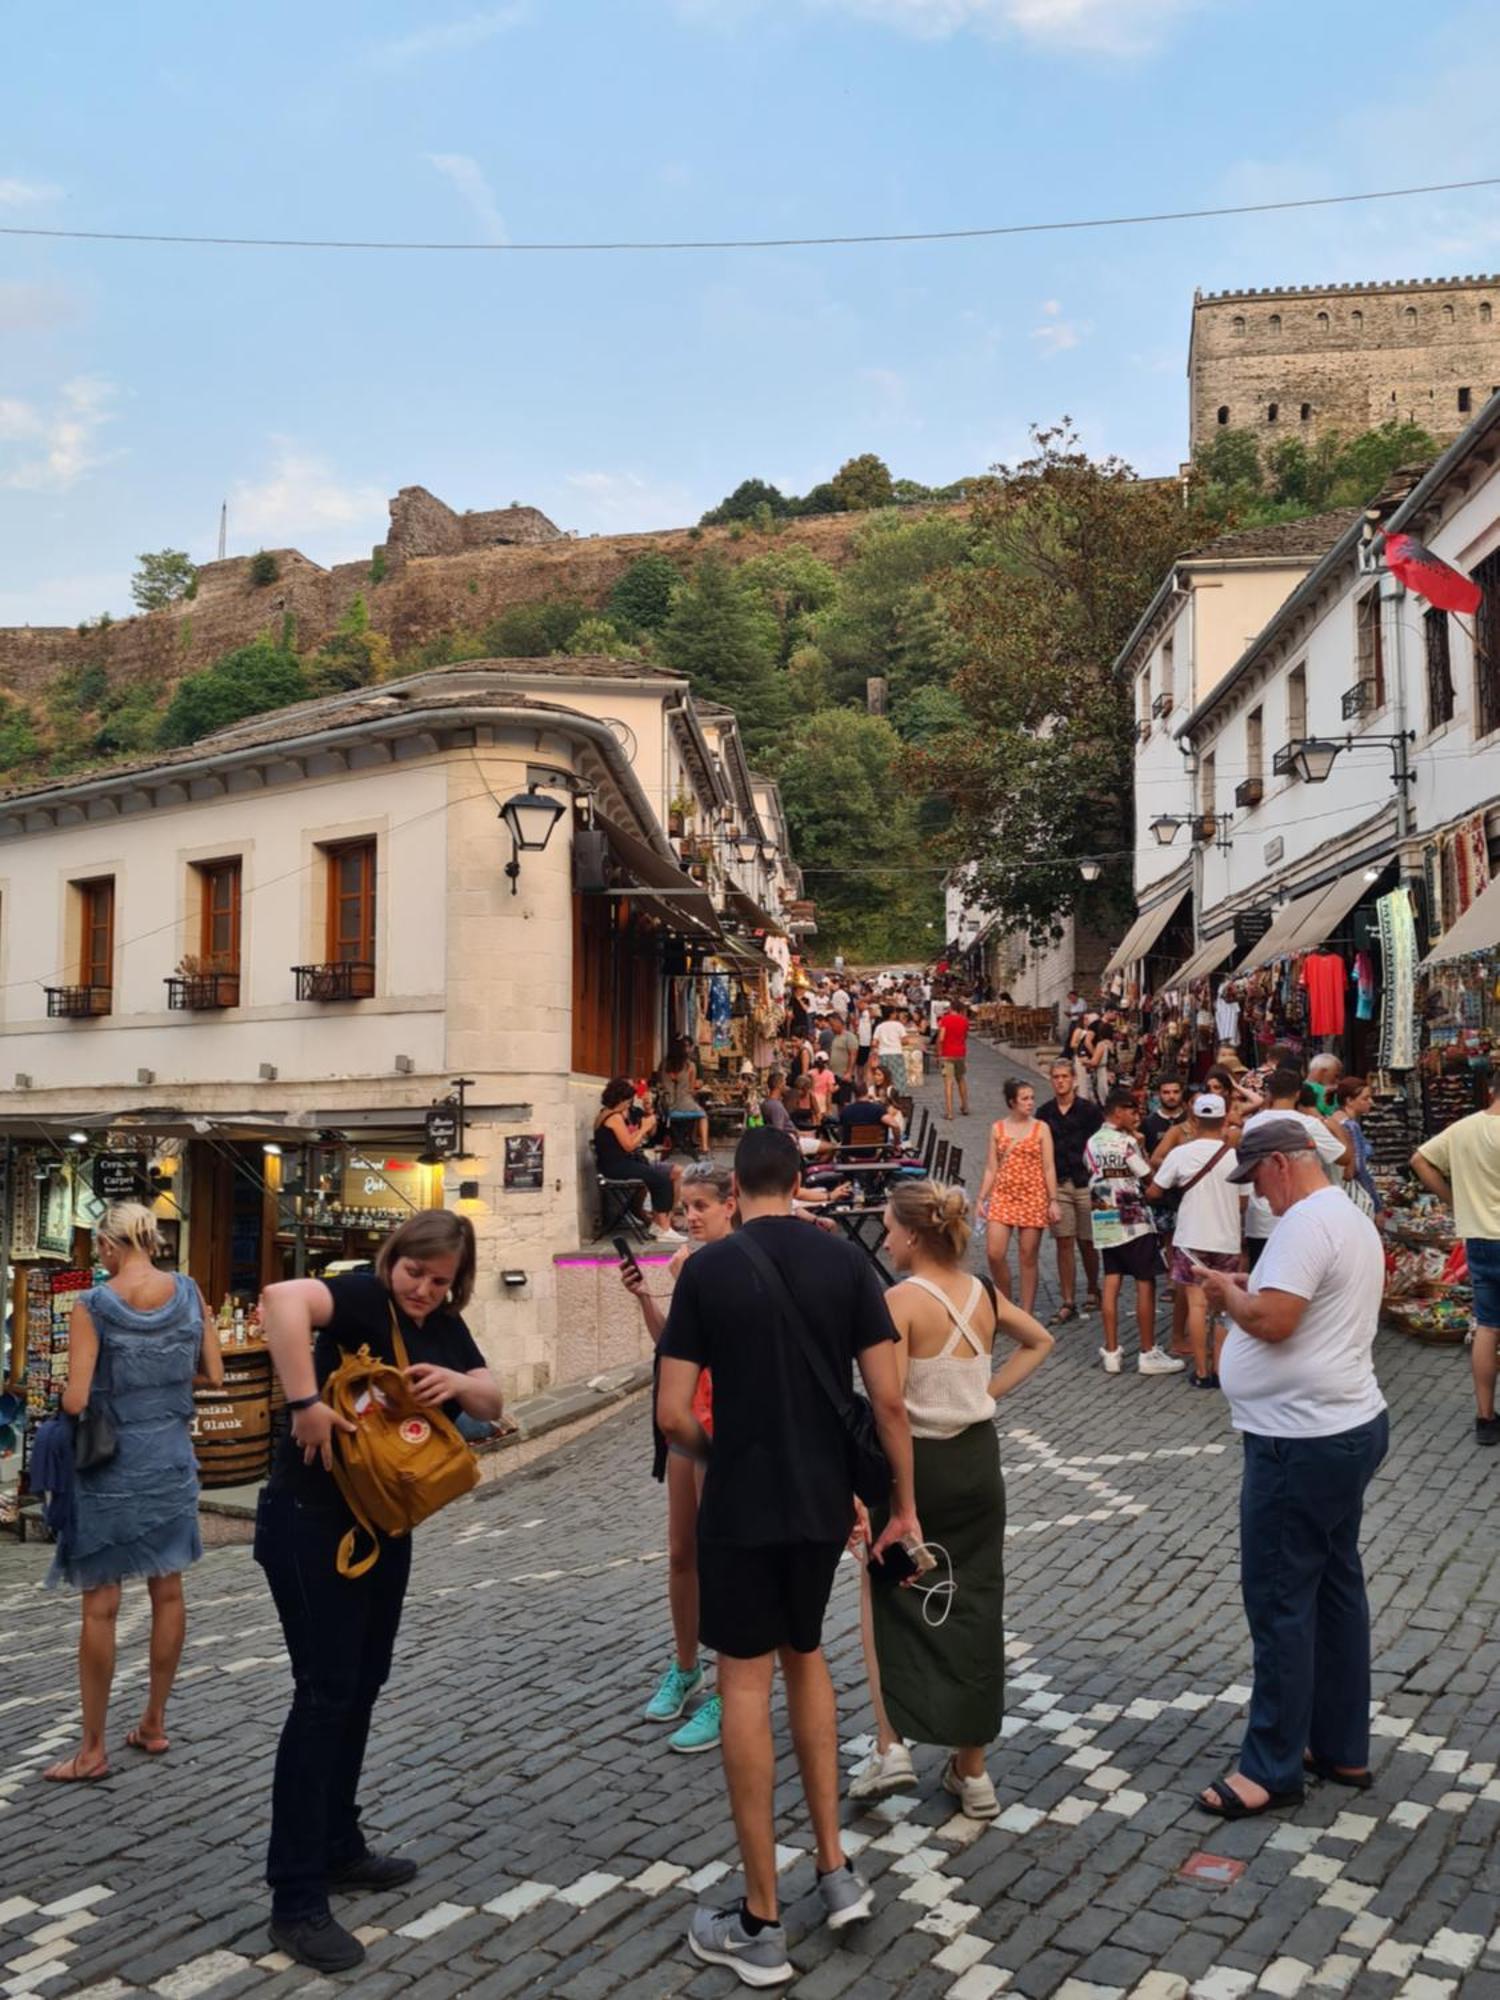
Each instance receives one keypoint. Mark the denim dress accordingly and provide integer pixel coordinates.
(137, 1515)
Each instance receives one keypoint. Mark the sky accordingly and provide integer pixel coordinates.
(142, 385)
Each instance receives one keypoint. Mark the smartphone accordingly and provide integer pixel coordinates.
(903, 1560)
(626, 1256)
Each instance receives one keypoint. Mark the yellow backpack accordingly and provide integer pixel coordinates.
(402, 1461)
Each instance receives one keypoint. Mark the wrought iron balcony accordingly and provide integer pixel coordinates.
(1358, 700)
(1162, 705)
(196, 992)
(77, 1003)
(1143, 730)
(1249, 792)
(345, 979)
(1284, 763)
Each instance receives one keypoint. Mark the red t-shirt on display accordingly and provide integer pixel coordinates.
(1325, 976)
(953, 1037)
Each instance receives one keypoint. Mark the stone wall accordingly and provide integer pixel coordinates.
(1306, 361)
(423, 525)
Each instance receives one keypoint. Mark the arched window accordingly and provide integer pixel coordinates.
(1223, 413)
(1486, 312)
(1237, 324)
(1306, 412)
(1273, 411)
(1408, 317)
(1447, 315)
(1322, 322)
(1274, 322)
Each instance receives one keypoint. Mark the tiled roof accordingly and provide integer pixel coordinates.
(1308, 540)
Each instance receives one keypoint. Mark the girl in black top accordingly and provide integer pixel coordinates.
(341, 1631)
(619, 1150)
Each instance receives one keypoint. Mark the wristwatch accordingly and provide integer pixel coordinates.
(303, 1402)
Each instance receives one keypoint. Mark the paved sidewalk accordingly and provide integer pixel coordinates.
(563, 1845)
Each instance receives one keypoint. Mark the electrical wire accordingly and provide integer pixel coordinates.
(746, 242)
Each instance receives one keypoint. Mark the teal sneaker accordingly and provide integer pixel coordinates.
(678, 1686)
(701, 1730)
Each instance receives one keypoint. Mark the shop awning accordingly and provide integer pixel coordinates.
(1337, 900)
(1144, 932)
(1209, 956)
(1478, 929)
(1277, 942)
(676, 898)
(749, 912)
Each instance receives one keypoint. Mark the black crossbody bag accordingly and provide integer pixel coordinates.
(869, 1468)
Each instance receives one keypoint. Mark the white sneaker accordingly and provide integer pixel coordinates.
(1113, 1360)
(1154, 1362)
(879, 1774)
(670, 1236)
(976, 1796)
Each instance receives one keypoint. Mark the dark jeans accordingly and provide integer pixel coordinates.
(1304, 1590)
(340, 1634)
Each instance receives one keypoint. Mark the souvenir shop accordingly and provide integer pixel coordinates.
(728, 1007)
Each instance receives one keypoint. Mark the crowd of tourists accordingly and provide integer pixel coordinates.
(1243, 1194)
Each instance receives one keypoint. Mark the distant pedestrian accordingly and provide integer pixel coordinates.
(1123, 1232)
(843, 1060)
(1019, 1190)
(779, 1314)
(1323, 1073)
(1462, 1167)
(136, 1345)
(1072, 1122)
(1334, 1148)
(889, 1046)
(1297, 1370)
(1208, 1225)
(953, 1054)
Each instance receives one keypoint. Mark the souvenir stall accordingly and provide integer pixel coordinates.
(728, 1012)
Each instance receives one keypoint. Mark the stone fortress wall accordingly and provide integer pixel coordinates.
(1306, 360)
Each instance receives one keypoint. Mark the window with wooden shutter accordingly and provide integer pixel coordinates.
(351, 903)
(96, 955)
(219, 935)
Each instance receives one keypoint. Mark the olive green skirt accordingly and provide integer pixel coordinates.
(945, 1683)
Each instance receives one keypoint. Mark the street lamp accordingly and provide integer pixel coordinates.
(746, 846)
(1090, 870)
(1165, 829)
(529, 819)
(1312, 758)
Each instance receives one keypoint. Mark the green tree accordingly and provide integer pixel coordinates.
(264, 569)
(744, 502)
(532, 631)
(792, 584)
(724, 639)
(349, 660)
(888, 618)
(163, 578)
(863, 482)
(1231, 458)
(641, 600)
(599, 638)
(1366, 462)
(245, 682)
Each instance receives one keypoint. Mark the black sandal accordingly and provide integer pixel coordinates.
(1232, 1806)
(1357, 1781)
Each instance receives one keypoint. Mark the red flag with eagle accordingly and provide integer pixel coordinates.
(1428, 576)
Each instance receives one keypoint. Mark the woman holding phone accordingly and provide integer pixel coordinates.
(708, 1211)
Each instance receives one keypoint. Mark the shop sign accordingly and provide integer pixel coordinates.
(119, 1176)
(524, 1163)
(1250, 926)
(442, 1131)
(372, 1181)
(1273, 850)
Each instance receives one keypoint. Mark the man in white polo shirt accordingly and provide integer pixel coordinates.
(1300, 1381)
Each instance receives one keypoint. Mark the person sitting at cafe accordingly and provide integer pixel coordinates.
(866, 1121)
(805, 1118)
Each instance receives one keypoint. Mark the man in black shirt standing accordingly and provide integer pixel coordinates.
(776, 1513)
(1171, 1113)
(1072, 1123)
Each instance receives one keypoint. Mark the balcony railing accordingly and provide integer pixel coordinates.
(1249, 792)
(1162, 705)
(196, 992)
(1143, 730)
(1358, 700)
(1283, 764)
(77, 1003)
(347, 979)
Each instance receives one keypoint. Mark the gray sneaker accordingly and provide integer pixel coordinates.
(847, 1896)
(719, 1937)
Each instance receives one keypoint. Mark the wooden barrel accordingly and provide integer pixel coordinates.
(232, 1425)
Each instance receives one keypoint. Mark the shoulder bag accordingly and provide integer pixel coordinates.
(95, 1440)
(1207, 1168)
(869, 1468)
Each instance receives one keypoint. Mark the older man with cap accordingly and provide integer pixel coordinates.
(1299, 1378)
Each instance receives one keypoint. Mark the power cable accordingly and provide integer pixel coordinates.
(749, 242)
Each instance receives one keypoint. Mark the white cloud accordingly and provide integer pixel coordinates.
(446, 37)
(302, 503)
(617, 503)
(468, 178)
(1120, 27)
(47, 450)
(26, 194)
(1055, 334)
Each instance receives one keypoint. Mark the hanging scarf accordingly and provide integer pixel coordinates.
(1398, 958)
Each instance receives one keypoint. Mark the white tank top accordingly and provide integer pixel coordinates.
(947, 1392)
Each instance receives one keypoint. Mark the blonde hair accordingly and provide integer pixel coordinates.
(131, 1226)
(937, 1216)
(433, 1232)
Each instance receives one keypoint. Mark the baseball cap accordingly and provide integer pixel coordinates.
(821, 1056)
(1209, 1105)
(1263, 1138)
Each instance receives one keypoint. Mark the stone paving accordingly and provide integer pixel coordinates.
(562, 1845)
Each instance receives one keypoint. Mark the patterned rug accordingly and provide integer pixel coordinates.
(1398, 959)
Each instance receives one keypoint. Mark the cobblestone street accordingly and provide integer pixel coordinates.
(562, 1845)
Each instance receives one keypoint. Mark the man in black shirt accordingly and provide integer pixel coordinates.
(1170, 1113)
(776, 1513)
(864, 1121)
(1072, 1123)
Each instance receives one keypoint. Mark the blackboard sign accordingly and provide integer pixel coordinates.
(523, 1162)
(1250, 926)
(120, 1176)
(442, 1131)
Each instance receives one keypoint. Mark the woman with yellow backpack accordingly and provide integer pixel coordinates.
(376, 1367)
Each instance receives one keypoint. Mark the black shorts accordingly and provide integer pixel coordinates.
(1140, 1258)
(753, 1601)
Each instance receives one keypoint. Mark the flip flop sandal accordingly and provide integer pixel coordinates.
(157, 1746)
(1357, 1781)
(1231, 1806)
(1064, 1316)
(69, 1774)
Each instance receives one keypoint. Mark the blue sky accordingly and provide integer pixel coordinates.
(140, 385)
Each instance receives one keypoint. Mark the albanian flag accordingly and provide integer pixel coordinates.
(1428, 576)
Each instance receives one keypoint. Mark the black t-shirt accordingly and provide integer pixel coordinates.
(1156, 1125)
(362, 1318)
(1071, 1131)
(866, 1112)
(779, 1469)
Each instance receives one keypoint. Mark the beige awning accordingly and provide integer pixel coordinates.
(1478, 929)
(1337, 900)
(1209, 956)
(745, 907)
(681, 902)
(1144, 932)
(1284, 927)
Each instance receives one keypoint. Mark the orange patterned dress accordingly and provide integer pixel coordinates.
(1019, 1195)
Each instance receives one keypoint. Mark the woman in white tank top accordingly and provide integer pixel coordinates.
(935, 1651)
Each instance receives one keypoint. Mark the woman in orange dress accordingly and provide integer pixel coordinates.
(1019, 1190)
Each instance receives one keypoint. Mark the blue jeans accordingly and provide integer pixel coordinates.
(1304, 1589)
(1484, 1275)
